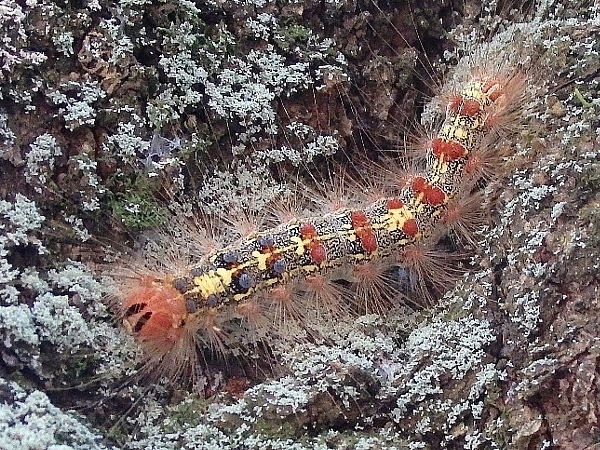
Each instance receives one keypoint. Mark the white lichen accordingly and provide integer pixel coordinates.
(64, 43)
(77, 102)
(41, 159)
(29, 421)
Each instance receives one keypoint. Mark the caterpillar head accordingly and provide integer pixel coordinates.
(156, 313)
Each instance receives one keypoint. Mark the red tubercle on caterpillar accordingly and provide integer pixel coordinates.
(493, 89)
(419, 185)
(359, 220)
(368, 240)
(394, 203)
(308, 231)
(316, 251)
(410, 227)
(435, 196)
(450, 151)
(364, 231)
(463, 106)
(431, 195)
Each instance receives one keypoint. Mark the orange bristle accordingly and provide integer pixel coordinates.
(323, 296)
(284, 306)
(208, 327)
(375, 291)
(433, 268)
(255, 316)
(485, 162)
(509, 94)
(287, 209)
(241, 223)
(464, 217)
(333, 194)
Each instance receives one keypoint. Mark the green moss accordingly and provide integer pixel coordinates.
(291, 36)
(187, 414)
(590, 177)
(285, 429)
(137, 209)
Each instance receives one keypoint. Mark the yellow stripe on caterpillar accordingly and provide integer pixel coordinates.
(212, 282)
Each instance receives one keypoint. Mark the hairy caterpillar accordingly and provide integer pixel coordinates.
(325, 263)
(519, 298)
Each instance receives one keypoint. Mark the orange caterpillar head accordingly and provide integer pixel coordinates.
(157, 315)
(155, 312)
